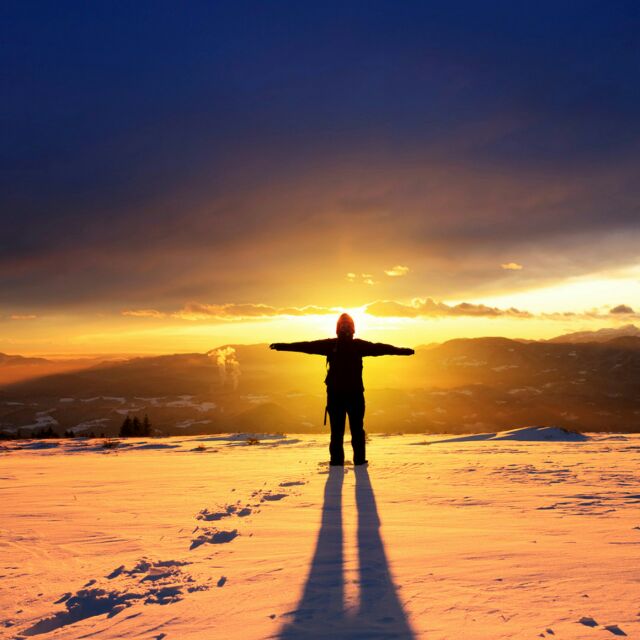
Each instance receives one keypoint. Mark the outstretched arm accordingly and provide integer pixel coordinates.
(314, 347)
(382, 349)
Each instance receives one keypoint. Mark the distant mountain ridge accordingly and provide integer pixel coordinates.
(14, 368)
(460, 386)
(601, 335)
(6, 359)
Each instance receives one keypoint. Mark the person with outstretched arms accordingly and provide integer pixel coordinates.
(345, 390)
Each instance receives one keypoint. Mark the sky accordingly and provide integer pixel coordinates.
(176, 176)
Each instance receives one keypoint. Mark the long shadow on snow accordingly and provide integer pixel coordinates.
(320, 612)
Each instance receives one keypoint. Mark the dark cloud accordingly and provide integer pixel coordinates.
(622, 309)
(154, 155)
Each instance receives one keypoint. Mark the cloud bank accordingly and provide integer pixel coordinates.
(622, 309)
(430, 308)
(418, 308)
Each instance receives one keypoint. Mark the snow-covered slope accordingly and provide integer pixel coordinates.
(523, 434)
(213, 537)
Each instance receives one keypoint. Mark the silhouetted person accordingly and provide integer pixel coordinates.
(345, 390)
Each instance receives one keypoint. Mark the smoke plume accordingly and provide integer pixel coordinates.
(228, 365)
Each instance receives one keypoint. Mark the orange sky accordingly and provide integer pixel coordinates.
(534, 313)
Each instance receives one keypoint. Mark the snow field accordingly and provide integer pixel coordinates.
(209, 537)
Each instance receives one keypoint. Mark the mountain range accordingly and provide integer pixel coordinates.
(601, 335)
(460, 386)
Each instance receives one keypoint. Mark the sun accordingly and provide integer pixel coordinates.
(360, 318)
(327, 323)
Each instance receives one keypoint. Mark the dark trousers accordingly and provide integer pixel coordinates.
(341, 404)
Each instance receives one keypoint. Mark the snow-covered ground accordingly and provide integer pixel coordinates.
(210, 537)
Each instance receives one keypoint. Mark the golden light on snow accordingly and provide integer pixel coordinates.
(134, 533)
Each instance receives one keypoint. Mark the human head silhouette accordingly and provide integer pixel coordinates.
(345, 328)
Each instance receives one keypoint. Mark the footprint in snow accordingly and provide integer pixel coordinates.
(268, 496)
(148, 582)
(615, 629)
(212, 516)
(588, 622)
(273, 497)
(213, 536)
(230, 510)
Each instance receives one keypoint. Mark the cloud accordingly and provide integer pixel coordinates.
(622, 309)
(417, 308)
(428, 307)
(511, 266)
(229, 311)
(144, 313)
(197, 311)
(20, 316)
(364, 278)
(398, 271)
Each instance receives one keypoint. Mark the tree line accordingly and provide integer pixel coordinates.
(130, 428)
(134, 428)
